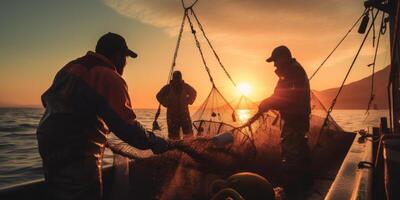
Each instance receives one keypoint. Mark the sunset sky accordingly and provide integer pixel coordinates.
(38, 37)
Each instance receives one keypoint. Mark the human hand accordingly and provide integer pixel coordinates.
(158, 144)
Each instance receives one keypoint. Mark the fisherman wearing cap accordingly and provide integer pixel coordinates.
(87, 99)
(176, 97)
(291, 98)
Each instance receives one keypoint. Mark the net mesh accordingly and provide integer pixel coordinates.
(216, 115)
(215, 109)
(187, 171)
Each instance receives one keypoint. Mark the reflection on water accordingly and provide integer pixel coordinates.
(20, 161)
(244, 115)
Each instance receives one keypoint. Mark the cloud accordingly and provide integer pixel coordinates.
(250, 29)
(252, 16)
(252, 24)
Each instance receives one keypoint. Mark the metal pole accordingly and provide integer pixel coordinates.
(394, 77)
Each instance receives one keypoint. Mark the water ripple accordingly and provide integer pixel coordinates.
(20, 161)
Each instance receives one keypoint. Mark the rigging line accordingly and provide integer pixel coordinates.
(373, 29)
(347, 74)
(214, 51)
(178, 42)
(213, 103)
(372, 96)
(205, 105)
(238, 104)
(199, 47)
(230, 106)
(212, 48)
(340, 42)
(191, 6)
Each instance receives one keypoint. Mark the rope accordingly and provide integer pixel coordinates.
(230, 106)
(188, 7)
(212, 48)
(199, 47)
(155, 124)
(373, 29)
(178, 42)
(217, 56)
(340, 42)
(372, 95)
(347, 75)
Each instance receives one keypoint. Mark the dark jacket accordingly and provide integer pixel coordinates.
(176, 96)
(87, 100)
(291, 96)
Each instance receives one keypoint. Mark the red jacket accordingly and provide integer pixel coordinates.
(87, 99)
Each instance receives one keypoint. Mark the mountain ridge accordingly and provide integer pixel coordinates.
(356, 95)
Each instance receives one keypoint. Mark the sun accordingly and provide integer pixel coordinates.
(244, 89)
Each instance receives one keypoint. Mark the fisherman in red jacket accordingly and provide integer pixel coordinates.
(291, 98)
(88, 99)
(176, 96)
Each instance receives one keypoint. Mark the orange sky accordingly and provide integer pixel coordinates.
(243, 32)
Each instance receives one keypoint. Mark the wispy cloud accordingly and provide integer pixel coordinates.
(256, 24)
(252, 28)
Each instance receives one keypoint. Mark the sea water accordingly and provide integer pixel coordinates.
(20, 161)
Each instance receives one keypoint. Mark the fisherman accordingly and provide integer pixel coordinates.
(87, 99)
(176, 96)
(291, 98)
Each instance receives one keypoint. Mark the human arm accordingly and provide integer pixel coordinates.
(162, 95)
(114, 107)
(191, 94)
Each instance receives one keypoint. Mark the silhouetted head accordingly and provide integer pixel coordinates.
(113, 46)
(281, 56)
(177, 76)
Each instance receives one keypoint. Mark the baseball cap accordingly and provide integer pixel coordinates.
(112, 42)
(279, 51)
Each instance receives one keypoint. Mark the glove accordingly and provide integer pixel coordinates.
(158, 144)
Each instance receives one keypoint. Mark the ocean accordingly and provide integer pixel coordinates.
(20, 161)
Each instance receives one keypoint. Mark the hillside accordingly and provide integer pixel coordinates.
(356, 95)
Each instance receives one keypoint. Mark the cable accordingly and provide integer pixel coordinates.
(216, 55)
(373, 29)
(347, 74)
(340, 42)
(186, 8)
(178, 42)
(212, 48)
(199, 48)
(372, 95)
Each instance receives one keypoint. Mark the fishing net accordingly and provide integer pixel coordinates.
(188, 171)
(216, 115)
(184, 173)
(213, 115)
(221, 146)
